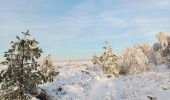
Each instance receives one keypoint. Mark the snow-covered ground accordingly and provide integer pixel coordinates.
(80, 80)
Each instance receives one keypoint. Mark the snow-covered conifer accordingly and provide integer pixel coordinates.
(108, 61)
(21, 78)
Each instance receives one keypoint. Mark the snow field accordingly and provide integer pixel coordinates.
(81, 80)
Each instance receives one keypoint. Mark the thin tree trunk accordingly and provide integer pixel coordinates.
(22, 72)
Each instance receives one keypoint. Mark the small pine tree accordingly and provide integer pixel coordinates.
(108, 61)
(22, 76)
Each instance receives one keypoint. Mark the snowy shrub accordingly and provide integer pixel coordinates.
(48, 68)
(134, 60)
(21, 78)
(108, 61)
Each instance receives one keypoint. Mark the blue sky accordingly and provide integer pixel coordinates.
(75, 29)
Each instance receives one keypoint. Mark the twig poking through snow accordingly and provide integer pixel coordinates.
(85, 72)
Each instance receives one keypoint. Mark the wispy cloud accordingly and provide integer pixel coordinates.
(84, 23)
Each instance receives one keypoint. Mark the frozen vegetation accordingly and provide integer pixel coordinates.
(142, 72)
(81, 80)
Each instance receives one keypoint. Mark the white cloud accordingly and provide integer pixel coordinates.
(81, 20)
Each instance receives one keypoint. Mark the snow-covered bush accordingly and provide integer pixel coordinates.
(48, 68)
(108, 61)
(134, 60)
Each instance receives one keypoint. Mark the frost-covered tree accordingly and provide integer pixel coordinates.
(168, 54)
(162, 48)
(22, 76)
(134, 60)
(162, 38)
(149, 52)
(108, 61)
